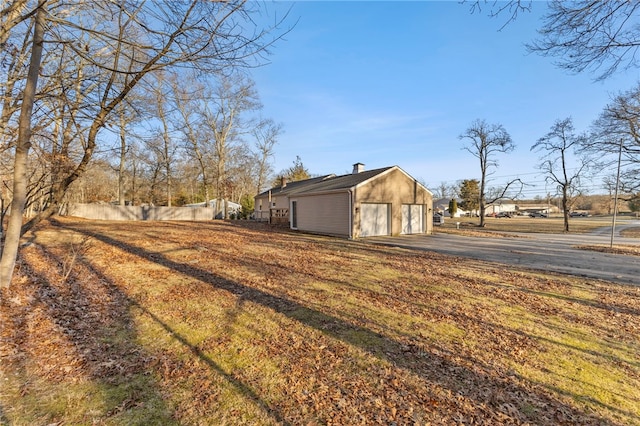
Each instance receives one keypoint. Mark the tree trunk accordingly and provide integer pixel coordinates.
(565, 209)
(134, 190)
(21, 160)
(481, 205)
(123, 158)
(1, 215)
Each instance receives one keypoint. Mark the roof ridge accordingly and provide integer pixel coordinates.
(327, 182)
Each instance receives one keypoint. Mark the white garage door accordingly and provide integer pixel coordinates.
(412, 218)
(374, 220)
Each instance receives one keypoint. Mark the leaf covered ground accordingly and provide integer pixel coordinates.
(218, 323)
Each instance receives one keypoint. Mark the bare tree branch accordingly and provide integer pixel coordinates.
(500, 8)
(596, 36)
(557, 162)
(484, 141)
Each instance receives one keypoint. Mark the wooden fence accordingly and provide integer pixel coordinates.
(113, 212)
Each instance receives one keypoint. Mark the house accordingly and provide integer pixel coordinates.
(527, 209)
(496, 208)
(385, 201)
(441, 206)
(232, 208)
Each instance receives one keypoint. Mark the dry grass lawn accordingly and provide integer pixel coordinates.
(217, 323)
(505, 227)
(552, 224)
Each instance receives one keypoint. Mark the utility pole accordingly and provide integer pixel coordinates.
(615, 200)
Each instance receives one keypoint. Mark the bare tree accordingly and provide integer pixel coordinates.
(610, 183)
(223, 115)
(14, 58)
(484, 141)
(445, 190)
(12, 13)
(134, 159)
(120, 45)
(596, 36)
(616, 135)
(190, 96)
(132, 110)
(560, 164)
(266, 136)
(23, 144)
(167, 148)
(242, 176)
(495, 8)
(123, 123)
(227, 160)
(16, 29)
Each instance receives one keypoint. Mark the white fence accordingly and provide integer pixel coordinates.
(111, 212)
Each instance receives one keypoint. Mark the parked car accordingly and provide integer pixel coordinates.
(537, 214)
(504, 214)
(579, 214)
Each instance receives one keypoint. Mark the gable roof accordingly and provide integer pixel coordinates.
(330, 182)
(295, 186)
(343, 182)
(324, 183)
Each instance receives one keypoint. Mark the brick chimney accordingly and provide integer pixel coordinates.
(283, 181)
(358, 168)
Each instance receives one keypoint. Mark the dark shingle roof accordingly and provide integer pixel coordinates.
(342, 182)
(326, 183)
(295, 186)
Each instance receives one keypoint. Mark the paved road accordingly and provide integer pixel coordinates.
(549, 252)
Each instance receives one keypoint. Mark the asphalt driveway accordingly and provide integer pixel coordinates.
(549, 252)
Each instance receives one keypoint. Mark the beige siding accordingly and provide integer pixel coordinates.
(396, 188)
(263, 207)
(324, 214)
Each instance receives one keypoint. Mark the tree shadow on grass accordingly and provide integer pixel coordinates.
(425, 363)
(238, 385)
(97, 329)
(74, 357)
(612, 306)
(505, 332)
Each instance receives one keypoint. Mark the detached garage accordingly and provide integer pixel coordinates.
(413, 218)
(374, 219)
(385, 201)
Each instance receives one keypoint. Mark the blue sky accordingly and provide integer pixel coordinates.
(396, 83)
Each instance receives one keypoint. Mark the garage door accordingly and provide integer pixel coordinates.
(374, 219)
(412, 218)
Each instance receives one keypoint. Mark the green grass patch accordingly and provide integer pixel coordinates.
(131, 401)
